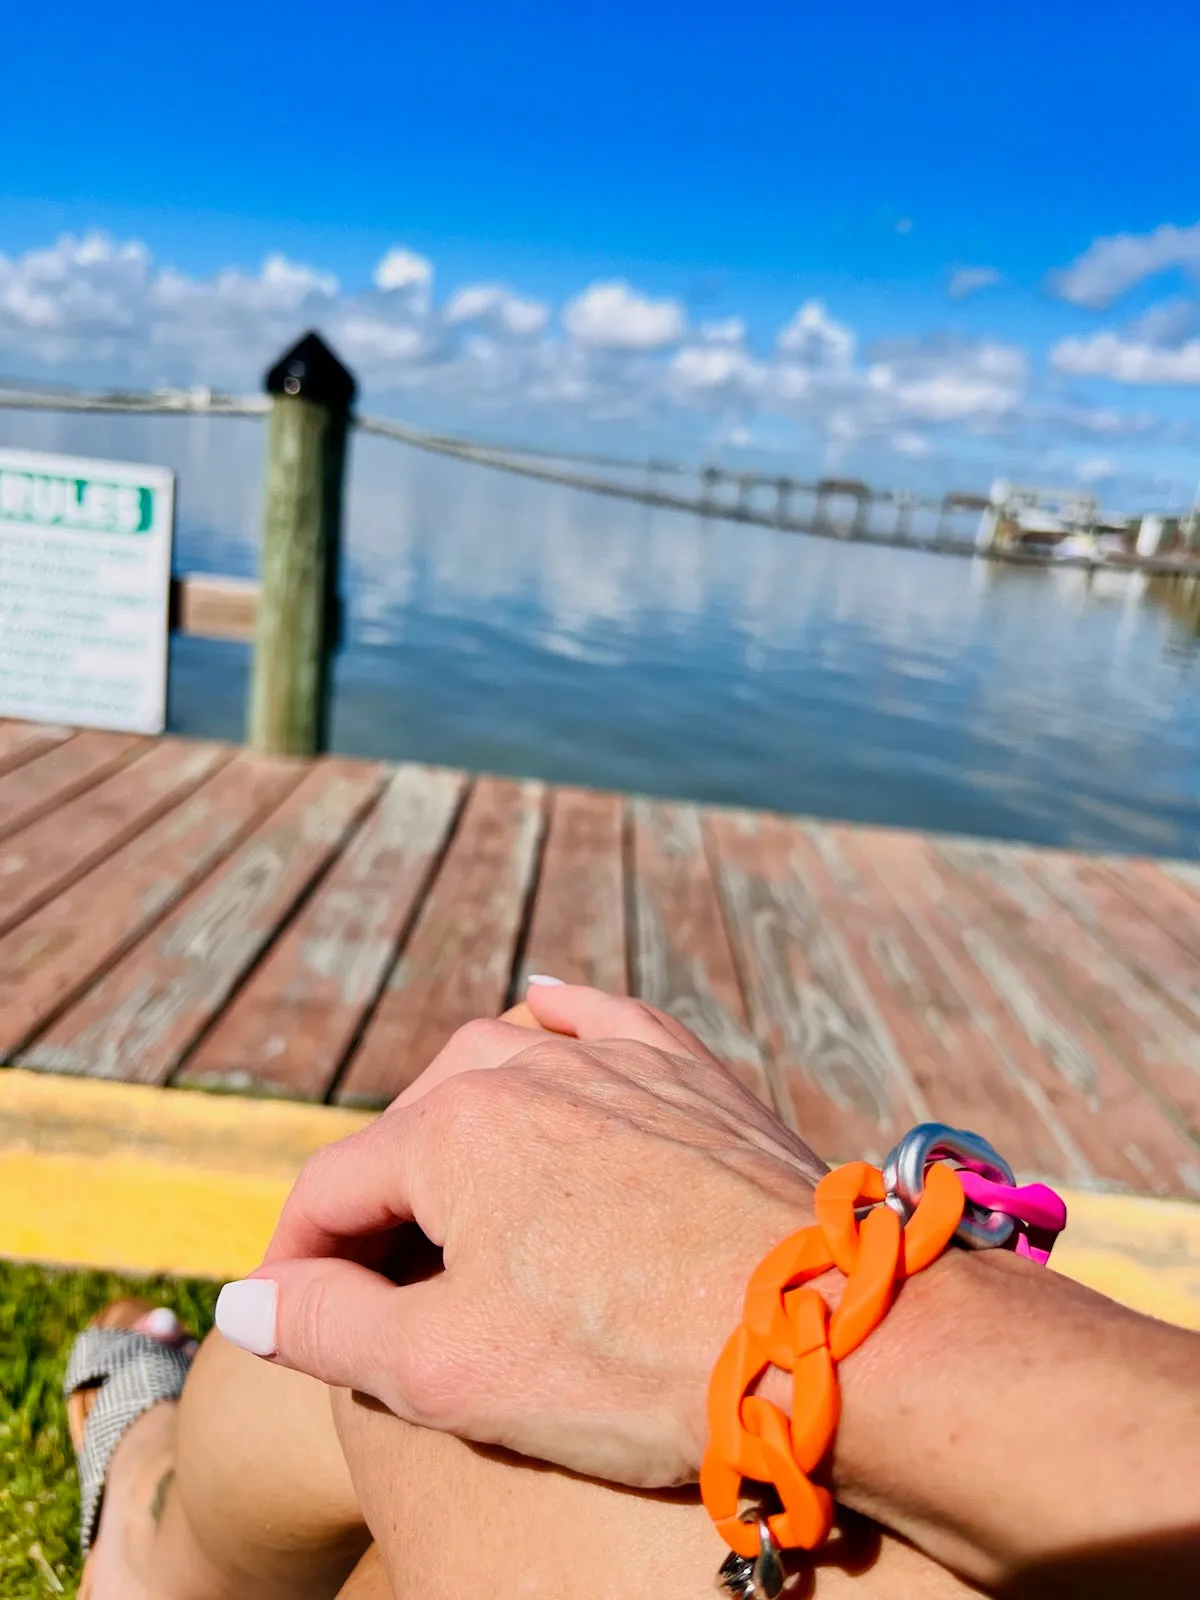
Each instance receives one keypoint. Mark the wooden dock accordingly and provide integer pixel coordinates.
(182, 913)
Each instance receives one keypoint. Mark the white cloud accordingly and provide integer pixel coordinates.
(99, 311)
(814, 339)
(1171, 323)
(288, 284)
(490, 303)
(89, 282)
(362, 338)
(712, 366)
(402, 269)
(1110, 266)
(1096, 469)
(612, 316)
(966, 281)
(1076, 421)
(911, 444)
(1162, 347)
(732, 330)
(944, 379)
(1109, 355)
(103, 308)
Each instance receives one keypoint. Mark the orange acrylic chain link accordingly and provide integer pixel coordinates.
(789, 1326)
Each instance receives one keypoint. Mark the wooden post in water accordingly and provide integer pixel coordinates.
(820, 519)
(862, 514)
(783, 496)
(939, 532)
(299, 606)
(904, 505)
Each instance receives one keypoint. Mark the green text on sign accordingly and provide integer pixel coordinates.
(88, 505)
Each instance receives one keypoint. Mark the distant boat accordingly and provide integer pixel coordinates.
(1077, 547)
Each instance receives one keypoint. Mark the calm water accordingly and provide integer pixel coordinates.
(515, 627)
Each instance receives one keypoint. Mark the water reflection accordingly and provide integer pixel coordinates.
(514, 626)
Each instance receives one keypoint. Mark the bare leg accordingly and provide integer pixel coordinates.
(451, 1520)
(254, 1488)
(239, 1492)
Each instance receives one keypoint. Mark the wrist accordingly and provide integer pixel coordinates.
(892, 1387)
(908, 1396)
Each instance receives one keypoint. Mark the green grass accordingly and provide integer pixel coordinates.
(40, 1313)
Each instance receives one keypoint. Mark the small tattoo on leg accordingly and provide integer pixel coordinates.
(159, 1499)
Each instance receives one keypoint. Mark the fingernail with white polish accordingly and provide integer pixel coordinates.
(162, 1323)
(246, 1315)
(548, 983)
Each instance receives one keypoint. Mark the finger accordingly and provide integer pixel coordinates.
(490, 1042)
(592, 1014)
(335, 1321)
(380, 1177)
(359, 1187)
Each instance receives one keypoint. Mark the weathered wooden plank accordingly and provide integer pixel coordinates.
(206, 607)
(846, 1085)
(458, 960)
(577, 930)
(682, 957)
(289, 1029)
(1162, 1051)
(21, 741)
(140, 1021)
(1117, 1134)
(43, 858)
(214, 608)
(36, 787)
(1162, 897)
(50, 958)
(952, 1070)
(1098, 901)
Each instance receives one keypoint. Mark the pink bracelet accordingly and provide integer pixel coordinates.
(1043, 1213)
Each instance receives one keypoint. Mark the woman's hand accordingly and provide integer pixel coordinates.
(599, 1201)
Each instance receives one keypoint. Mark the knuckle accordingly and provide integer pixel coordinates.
(459, 1107)
(456, 1097)
(551, 1054)
(480, 1034)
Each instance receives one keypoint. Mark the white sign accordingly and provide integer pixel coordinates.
(85, 579)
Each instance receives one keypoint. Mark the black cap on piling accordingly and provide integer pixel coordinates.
(311, 370)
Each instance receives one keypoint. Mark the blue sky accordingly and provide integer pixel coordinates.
(732, 165)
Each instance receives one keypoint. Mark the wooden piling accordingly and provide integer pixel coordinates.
(783, 493)
(298, 613)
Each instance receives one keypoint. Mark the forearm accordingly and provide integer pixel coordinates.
(1003, 1418)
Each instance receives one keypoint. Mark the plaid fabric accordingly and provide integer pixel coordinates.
(134, 1372)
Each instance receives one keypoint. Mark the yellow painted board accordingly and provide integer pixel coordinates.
(147, 1180)
(135, 1215)
(1141, 1251)
(143, 1179)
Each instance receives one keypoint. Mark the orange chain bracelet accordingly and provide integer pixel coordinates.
(788, 1326)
